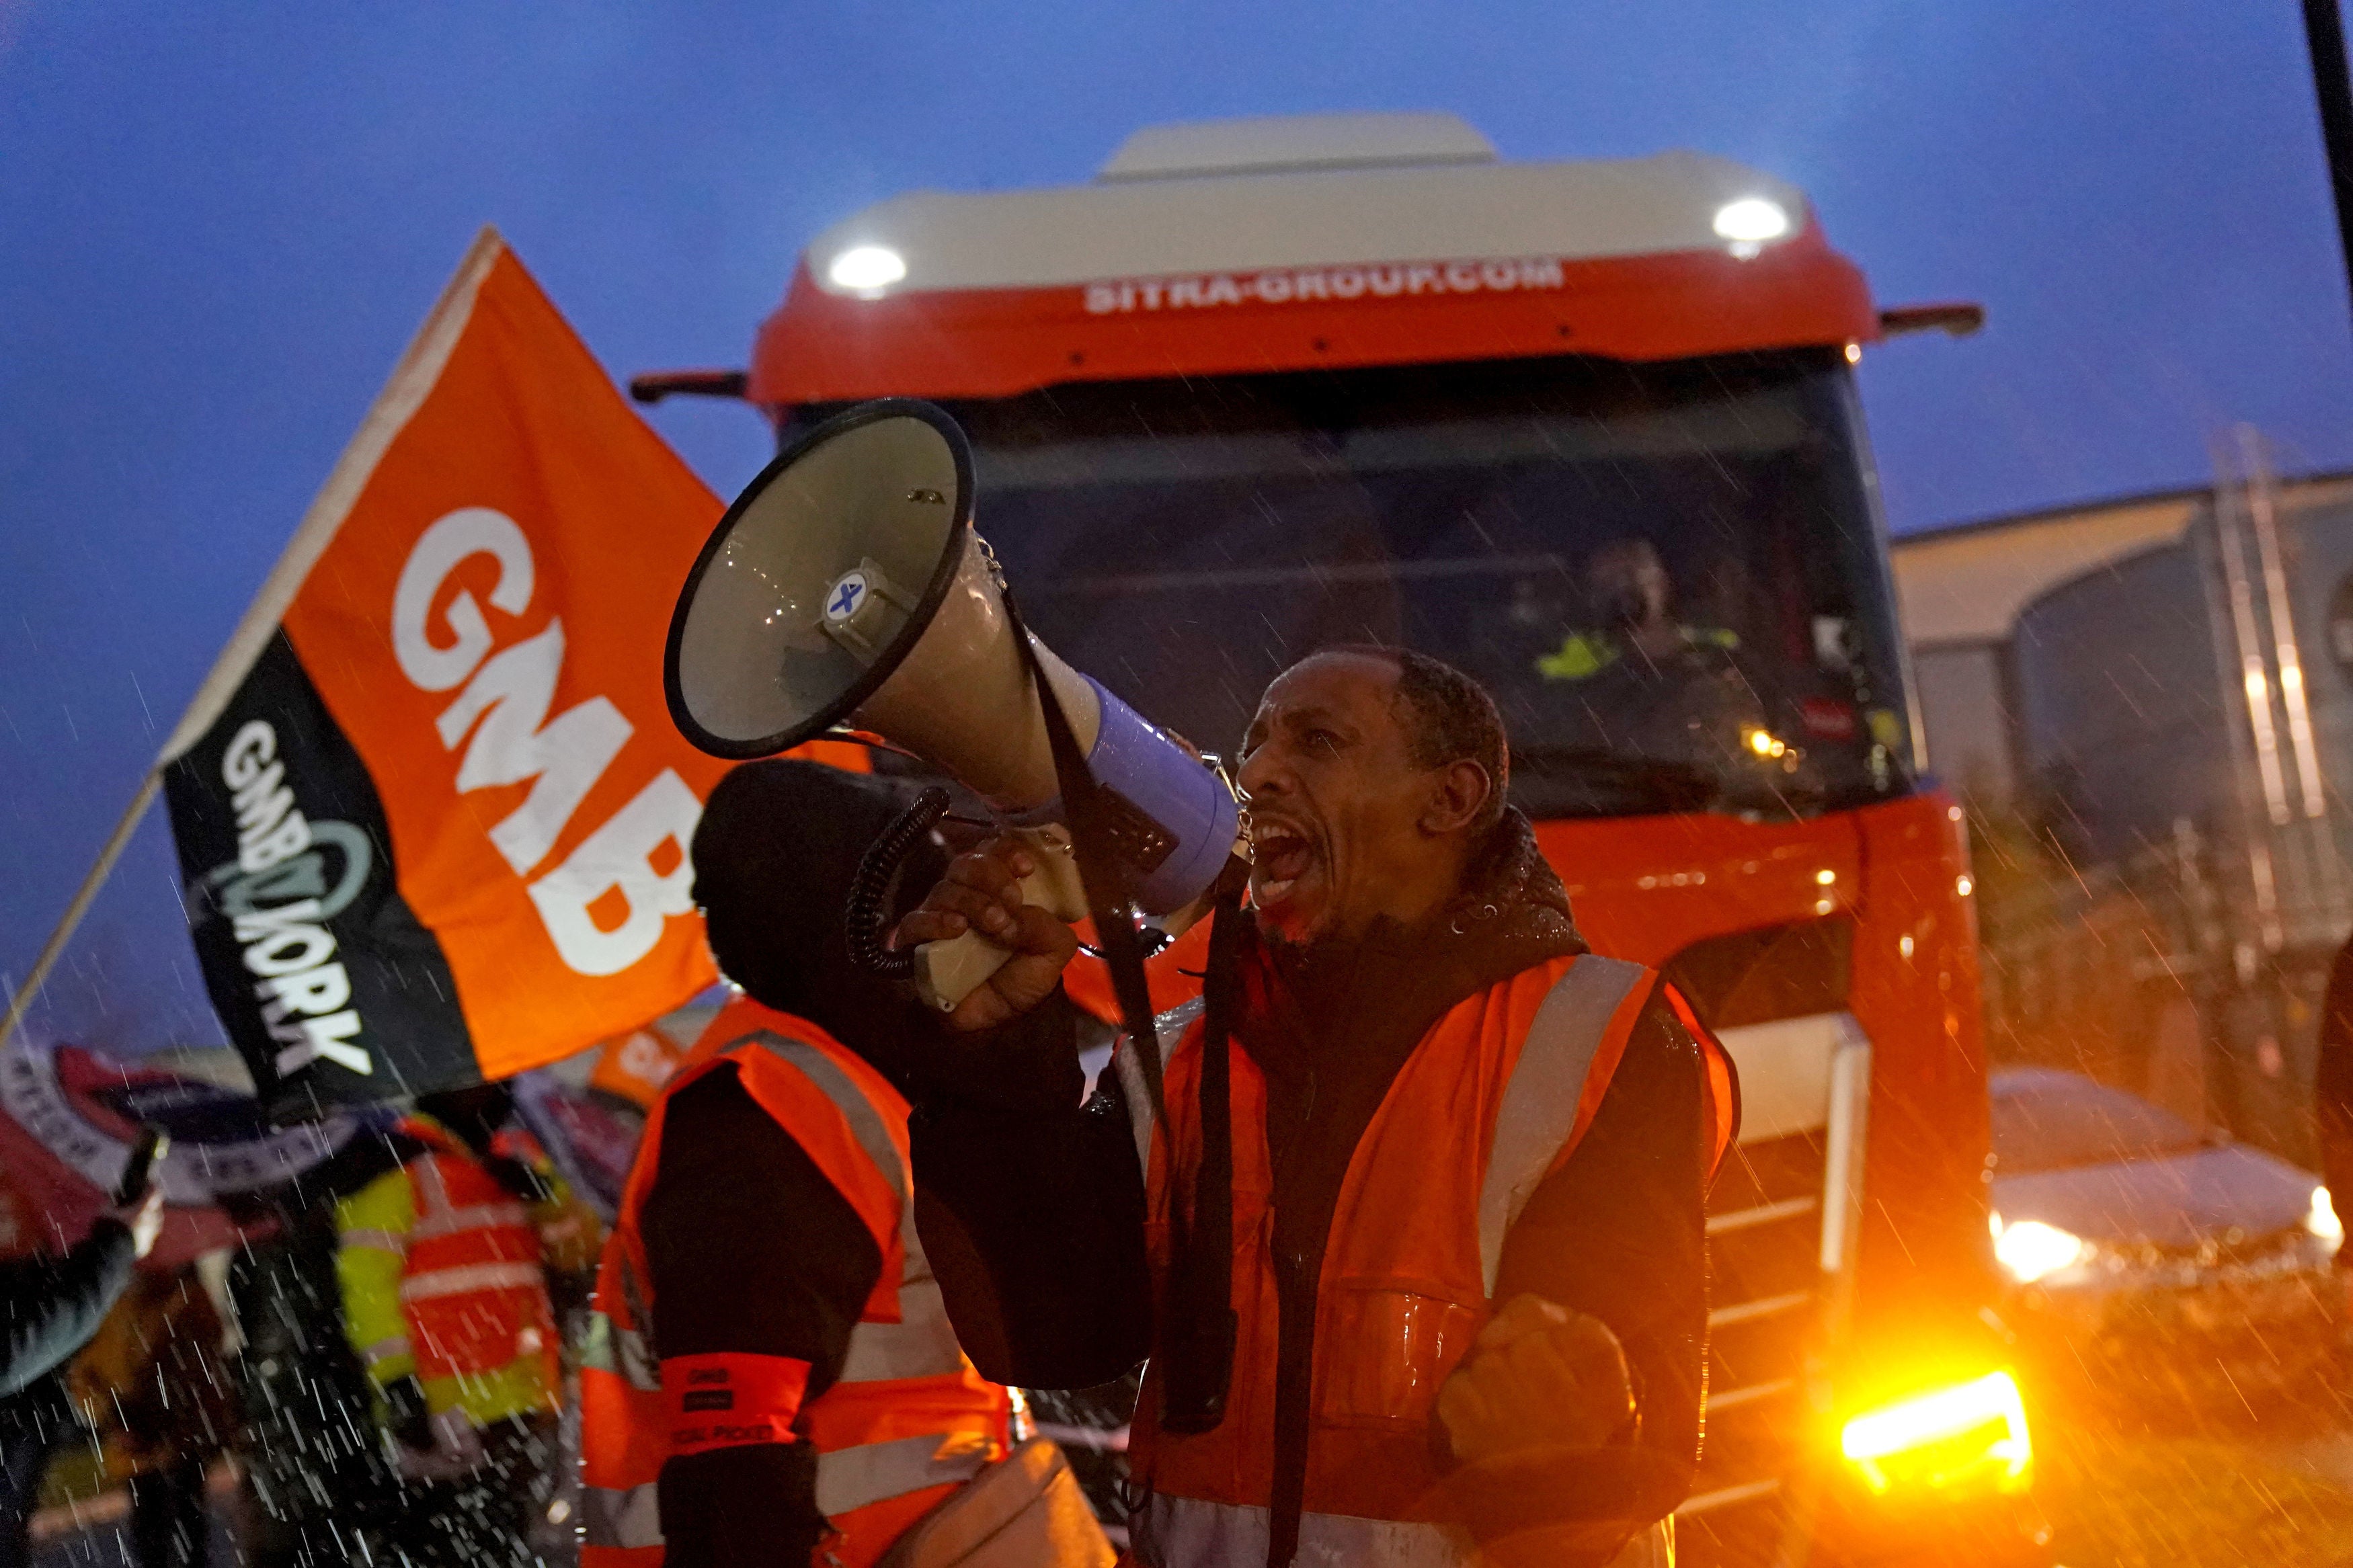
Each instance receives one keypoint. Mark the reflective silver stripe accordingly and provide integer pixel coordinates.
(849, 1479)
(920, 1347)
(384, 1350)
(922, 1344)
(865, 1121)
(1170, 1027)
(425, 1182)
(471, 1277)
(372, 1240)
(1187, 1533)
(621, 1352)
(479, 1217)
(1539, 1105)
(612, 1517)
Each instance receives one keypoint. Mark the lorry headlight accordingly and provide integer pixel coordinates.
(1971, 1432)
(2322, 1221)
(2030, 1249)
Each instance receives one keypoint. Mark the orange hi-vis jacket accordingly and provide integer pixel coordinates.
(442, 1279)
(909, 1419)
(1490, 1101)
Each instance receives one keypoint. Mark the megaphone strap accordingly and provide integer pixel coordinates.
(1101, 870)
(1199, 1336)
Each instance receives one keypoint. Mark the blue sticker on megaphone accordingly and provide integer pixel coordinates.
(843, 599)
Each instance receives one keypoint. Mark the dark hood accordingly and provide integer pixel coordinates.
(1511, 894)
(775, 856)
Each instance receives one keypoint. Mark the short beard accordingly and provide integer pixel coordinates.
(1324, 949)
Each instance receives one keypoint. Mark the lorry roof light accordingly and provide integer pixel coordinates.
(1751, 220)
(868, 269)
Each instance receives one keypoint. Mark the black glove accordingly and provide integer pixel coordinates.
(409, 1420)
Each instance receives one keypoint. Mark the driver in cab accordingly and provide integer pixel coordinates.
(1652, 686)
(1627, 584)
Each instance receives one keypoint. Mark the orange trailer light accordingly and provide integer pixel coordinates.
(1967, 1434)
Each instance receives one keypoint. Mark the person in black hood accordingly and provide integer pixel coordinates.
(753, 1251)
(1405, 929)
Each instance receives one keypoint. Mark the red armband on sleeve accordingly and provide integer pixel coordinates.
(729, 1401)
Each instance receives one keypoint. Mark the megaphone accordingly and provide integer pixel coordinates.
(846, 587)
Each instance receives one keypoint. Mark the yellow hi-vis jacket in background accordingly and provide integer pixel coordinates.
(442, 1280)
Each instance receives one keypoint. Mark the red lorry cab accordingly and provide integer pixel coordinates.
(1587, 430)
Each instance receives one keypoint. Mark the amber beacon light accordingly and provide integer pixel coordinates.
(1962, 1437)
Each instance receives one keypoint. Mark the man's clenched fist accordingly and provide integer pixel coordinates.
(1540, 1377)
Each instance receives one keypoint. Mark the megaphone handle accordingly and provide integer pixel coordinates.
(948, 971)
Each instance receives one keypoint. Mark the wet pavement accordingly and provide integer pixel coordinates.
(2263, 1485)
(2269, 1484)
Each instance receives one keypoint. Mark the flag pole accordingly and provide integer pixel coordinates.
(420, 366)
(21, 1003)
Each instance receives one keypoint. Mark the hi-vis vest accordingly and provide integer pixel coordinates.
(1490, 1101)
(442, 1279)
(909, 1418)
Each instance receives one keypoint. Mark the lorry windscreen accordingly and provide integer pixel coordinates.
(1670, 575)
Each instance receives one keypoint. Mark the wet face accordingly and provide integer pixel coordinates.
(1346, 828)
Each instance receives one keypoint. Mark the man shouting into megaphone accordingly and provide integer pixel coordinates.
(1467, 1158)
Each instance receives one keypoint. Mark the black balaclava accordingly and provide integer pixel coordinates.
(775, 856)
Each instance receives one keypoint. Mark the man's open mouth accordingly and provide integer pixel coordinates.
(1281, 855)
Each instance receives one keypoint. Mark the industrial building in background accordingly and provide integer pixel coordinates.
(2146, 704)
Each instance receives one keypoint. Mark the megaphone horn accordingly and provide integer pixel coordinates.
(845, 585)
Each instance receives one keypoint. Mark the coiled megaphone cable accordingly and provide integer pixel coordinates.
(867, 919)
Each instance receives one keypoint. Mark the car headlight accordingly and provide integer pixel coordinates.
(2030, 1249)
(2321, 1220)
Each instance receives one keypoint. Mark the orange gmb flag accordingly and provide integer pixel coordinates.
(431, 808)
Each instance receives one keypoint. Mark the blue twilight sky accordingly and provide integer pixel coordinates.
(218, 224)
